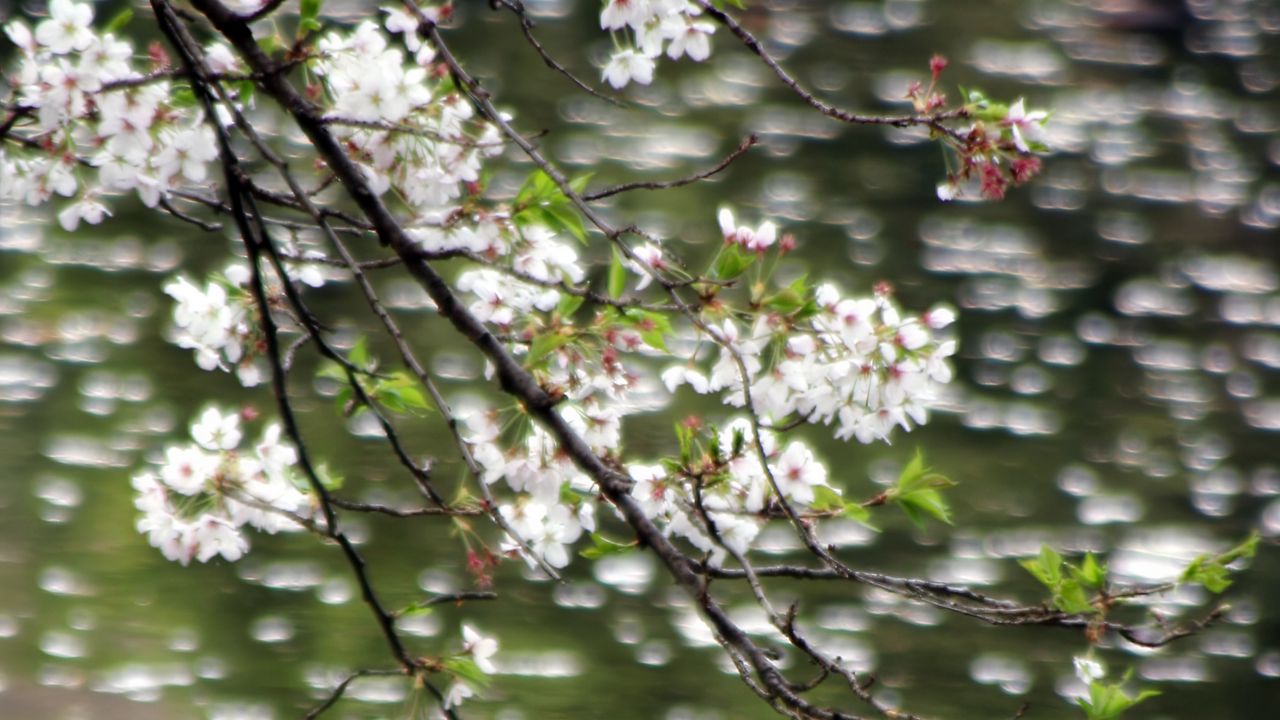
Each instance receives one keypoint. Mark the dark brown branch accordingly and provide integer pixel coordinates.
(747, 143)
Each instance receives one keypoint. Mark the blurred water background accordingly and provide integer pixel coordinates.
(1117, 383)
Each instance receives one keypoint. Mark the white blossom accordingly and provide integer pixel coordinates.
(627, 65)
(480, 647)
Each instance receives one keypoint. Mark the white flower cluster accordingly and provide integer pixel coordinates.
(726, 511)
(92, 138)
(430, 145)
(539, 473)
(217, 323)
(858, 362)
(655, 26)
(532, 251)
(203, 493)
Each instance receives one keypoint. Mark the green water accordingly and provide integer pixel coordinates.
(1116, 386)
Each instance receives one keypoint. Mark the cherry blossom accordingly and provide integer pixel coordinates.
(205, 492)
(756, 240)
(1023, 125)
(480, 647)
(627, 65)
(653, 25)
(67, 28)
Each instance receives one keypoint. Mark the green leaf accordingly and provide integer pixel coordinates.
(465, 668)
(538, 189)
(359, 354)
(916, 492)
(182, 98)
(309, 15)
(1107, 702)
(569, 305)
(579, 184)
(854, 511)
(419, 608)
(269, 43)
(617, 275)
(1246, 549)
(826, 498)
(117, 22)
(1070, 597)
(793, 298)
(652, 326)
(545, 344)
(564, 217)
(400, 393)
(602, 546)
(1212, 572)
(912, 474)
(684, 436)
(328, 478)
(928, 501)
(1046, 567)
(1090, 573)
(785, 301)
(732, 262)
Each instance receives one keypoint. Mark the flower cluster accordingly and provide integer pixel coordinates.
(215, 322)
(407, 132)
(655, 27)
(755, 240)
(531, 251)
(196, 503)
(859, 362)
(101, 126)
(997, 150)
(541, 475)
(722, 505)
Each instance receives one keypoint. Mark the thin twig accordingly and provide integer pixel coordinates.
(935, 120)
(746, 144)
(526, 27)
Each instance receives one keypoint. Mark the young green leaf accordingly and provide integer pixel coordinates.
(1107, 702)
(1212, 572)
(1089, 573)
(466, 669)
(545, 344)
(732, 262)
(602, 546)
(1046, 567)
(617, 276)
(569, 305)
(118, 21)
(917, 492)
(309, 15)
(579, 184)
